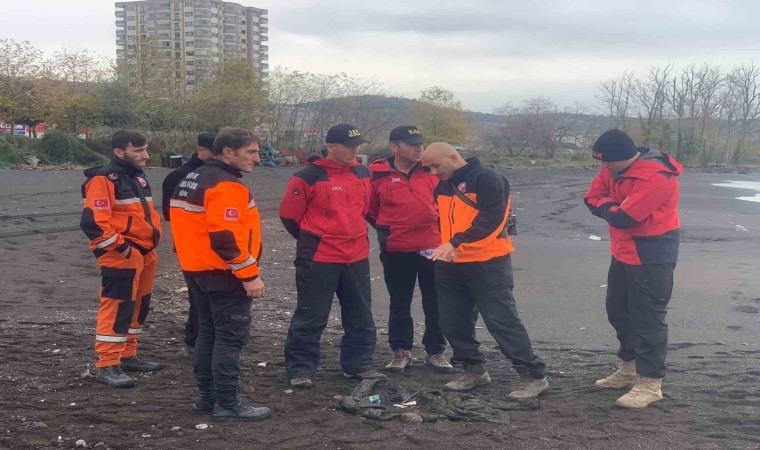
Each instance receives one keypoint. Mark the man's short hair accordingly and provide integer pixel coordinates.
(234, 138)
(122, 138)
(206, 140)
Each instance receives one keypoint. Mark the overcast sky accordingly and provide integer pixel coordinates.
(488, 52)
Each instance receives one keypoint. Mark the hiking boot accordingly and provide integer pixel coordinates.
(206, 398)
(241, 411)
(401, 359)
(188, 351)
(645, 391)
(624, 376)
(532, 388)
(471, 379)
(301, 383)
(138, 365)
(439, 363)
(204, 403)
(114, 377)
(368, 375)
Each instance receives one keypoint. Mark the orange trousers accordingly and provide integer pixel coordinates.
(125, 290)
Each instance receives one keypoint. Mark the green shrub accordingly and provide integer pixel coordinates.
(14, 148)
(58, 147)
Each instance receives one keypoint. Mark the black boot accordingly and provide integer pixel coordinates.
(240, 411)
(206, 397)
(138, 365)
(114, 377)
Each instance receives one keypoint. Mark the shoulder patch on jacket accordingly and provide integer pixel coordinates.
(377, 175)
(311, 174)
(360, 171)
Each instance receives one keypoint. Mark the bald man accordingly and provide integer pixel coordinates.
(474, 269)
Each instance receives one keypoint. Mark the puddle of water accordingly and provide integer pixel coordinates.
(750, 185)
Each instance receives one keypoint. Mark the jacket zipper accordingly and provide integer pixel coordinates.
(129, 225)
(146, 211)
(451, 218)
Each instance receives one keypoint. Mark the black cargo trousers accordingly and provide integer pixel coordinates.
(401, 271)
(317, 283)
(191, 324)
(487, 286)
(637, 302)
(224, 320)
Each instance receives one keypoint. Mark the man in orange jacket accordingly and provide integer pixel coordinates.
(217, 233)
(474, 269)
(124, 229)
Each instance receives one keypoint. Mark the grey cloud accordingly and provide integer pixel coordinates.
(543, 28)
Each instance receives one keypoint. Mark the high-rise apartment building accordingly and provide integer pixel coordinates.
(189, 38)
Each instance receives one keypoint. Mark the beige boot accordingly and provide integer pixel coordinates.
(624, 376)
(531, 388)
(645, 391)
(474, 376)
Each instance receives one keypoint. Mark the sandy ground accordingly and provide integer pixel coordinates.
(48, 301)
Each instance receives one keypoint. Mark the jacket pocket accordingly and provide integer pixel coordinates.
(307, 244)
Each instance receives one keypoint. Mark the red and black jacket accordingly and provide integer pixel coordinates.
(118, 210)
(641, 206)
(324, 208)
(402, 207)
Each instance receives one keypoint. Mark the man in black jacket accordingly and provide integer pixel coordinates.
(203, 152)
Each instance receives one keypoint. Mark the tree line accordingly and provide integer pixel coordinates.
(699, 114)
(78, 91)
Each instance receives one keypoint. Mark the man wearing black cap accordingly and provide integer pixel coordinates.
(202, 153)
(636, 192)
(403, 211)
(323, 209)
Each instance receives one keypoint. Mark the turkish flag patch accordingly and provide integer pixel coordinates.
(231, 214)
(101, 203)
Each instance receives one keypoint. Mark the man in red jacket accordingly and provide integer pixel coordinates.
(324, 208)
(403, 211)
(636, 192)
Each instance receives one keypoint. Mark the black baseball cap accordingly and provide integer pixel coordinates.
(345, 134)
(206, 140)
(407, 133)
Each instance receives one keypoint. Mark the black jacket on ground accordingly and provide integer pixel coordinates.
(172, 180)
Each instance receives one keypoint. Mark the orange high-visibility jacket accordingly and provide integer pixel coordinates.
(478, 234)
(215, 222)
(118, 209)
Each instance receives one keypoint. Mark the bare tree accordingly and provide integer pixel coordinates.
(745, 80)
(615, 97)
(679, 91)
(649, 101)
(704, 103)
